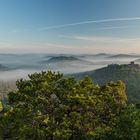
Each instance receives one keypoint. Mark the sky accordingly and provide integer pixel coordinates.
(70, 26)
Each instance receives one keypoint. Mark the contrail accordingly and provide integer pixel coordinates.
(89, 22)
(115, 27)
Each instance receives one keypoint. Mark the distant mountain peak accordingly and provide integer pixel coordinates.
(62, 58)
(57, 59)
(124, 56)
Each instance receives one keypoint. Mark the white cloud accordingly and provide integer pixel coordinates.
(15, 31)
(102, 39)
(106, 44)
(112, 28)
(89, 22)
(83, 44)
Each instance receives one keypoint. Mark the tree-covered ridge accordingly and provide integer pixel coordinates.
(66, 59)
(49, 106)
(63, 58)
(129, 74)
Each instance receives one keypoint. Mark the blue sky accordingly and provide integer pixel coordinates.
(70, 26)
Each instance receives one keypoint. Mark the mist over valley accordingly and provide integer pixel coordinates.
(15, 66)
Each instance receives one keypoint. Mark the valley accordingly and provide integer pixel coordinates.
(101, 67)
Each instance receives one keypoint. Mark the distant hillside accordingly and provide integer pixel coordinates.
(3, 68)
(102, 54)
(59, 59)
(137, 60)
(98, 55)
(6, 87)
(63, 58)
(124, 56)
(129, 74)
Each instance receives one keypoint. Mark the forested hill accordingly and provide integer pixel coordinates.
(129, 74)
(66, 59)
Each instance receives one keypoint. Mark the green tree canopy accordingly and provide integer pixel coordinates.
(52, 107)
(1, 106)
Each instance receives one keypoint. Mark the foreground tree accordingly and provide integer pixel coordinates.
(1, 106)
(50, 106)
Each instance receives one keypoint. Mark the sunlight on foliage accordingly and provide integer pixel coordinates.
(51, 106)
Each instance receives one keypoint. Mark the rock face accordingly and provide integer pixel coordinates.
(133, 65)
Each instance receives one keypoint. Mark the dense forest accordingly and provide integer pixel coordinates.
(129, 74)
(50, 106)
